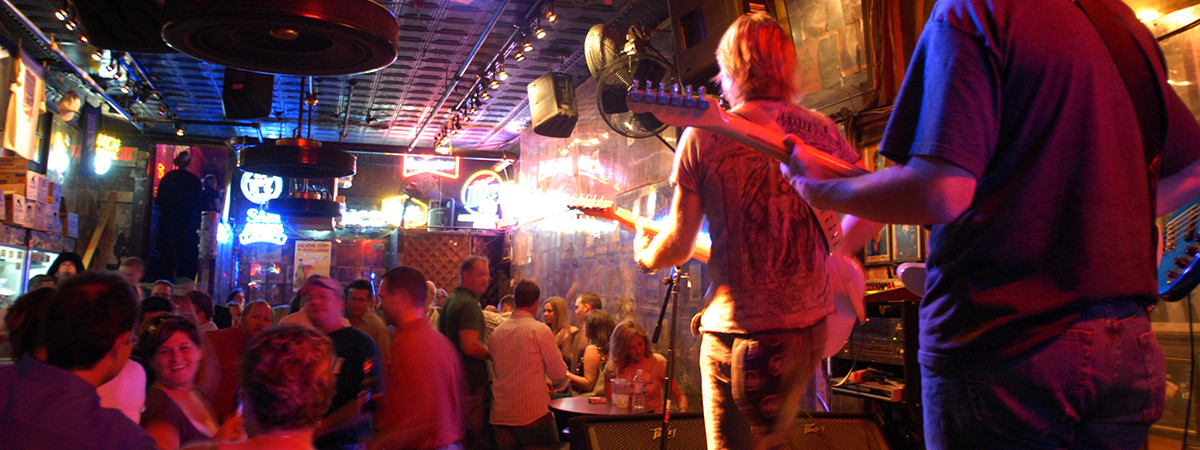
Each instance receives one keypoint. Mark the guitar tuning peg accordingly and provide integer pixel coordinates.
(688, 100)
(676, 100)
(702, 102)
(663, 99)
(634, 95)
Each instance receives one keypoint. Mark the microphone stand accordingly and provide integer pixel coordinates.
(672, 282)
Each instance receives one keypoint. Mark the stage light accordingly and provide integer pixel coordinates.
(519, 56)
(527, 47)
(500, 73)
(539, 32)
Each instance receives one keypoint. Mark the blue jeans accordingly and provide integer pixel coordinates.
(1100, 385)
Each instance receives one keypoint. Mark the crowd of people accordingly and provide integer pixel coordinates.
(399, 367)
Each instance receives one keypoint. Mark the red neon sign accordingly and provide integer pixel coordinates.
(437, 165)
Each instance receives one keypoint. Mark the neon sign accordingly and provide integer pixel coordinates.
(481, 193)
(107, 148)
(437, 165)
(259, 188)
(416, 212)
(262, 226)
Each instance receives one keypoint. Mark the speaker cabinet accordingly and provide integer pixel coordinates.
(552, 105)
(698, 27)
(441, 214)
(636, 432)
(827, 431)
(247, 95)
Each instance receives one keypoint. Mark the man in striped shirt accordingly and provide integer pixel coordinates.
(525, 355)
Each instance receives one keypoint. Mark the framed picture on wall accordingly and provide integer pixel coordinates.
(906, 243)
(879, 249)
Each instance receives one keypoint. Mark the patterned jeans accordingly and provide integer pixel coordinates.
(753, 383)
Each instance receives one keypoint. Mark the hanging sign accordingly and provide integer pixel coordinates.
(262, 226)
(259, 188)
(437, 165)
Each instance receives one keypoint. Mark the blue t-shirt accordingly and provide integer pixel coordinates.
(1026, 97)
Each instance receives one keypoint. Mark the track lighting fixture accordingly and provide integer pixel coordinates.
(528, 47)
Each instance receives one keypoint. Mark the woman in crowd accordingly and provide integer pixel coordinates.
(176, 411)
(66, 265)
(554, 313)
(235, 302)
(599, 326)
(23, 322)
(629, 350)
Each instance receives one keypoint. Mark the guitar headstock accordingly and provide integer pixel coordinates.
(593, 206)
(674, 106)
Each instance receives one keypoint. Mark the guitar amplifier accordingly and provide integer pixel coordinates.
(832, 431)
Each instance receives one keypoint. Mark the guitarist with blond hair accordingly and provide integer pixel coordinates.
(771, 291)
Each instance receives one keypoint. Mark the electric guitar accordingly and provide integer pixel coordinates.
(682, 109)
(1181, 243)
(604, 209)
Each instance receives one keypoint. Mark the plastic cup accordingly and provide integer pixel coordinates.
(620, 393)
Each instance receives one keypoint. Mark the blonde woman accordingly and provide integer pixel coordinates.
(554, 313)
(629, 350)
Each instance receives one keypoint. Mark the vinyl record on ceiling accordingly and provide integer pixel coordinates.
(293, 37)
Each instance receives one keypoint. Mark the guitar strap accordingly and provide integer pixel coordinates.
(1138, 69)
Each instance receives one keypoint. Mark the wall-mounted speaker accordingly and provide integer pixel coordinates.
(698, 27)
(552, 105)
(247, 95)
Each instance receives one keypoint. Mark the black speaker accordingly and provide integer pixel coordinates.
(636, 432)
(826, 431)
(247, 95)
(441, 214)
(552, 105)
(698, 27)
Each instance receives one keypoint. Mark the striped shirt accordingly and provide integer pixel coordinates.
(524, 355)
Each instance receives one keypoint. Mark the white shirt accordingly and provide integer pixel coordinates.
(126, 392)
(524, 355)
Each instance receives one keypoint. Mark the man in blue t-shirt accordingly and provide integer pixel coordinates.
(1015, 138)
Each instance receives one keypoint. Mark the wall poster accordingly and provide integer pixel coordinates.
(312, 258)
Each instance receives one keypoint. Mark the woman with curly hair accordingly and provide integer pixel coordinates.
(177, 412)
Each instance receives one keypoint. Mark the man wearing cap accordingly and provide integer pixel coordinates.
(179, 200)
(358, 366)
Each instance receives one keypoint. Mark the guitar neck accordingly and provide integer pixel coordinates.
(771, 143)
(626, 218)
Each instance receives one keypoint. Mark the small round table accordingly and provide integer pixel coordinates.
(581, 406)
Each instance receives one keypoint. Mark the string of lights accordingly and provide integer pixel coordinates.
(519, 44)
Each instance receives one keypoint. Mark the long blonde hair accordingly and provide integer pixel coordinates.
(561, 319)
(622, 340)
(757, 60)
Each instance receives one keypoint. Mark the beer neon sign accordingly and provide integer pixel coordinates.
(481, 193)
(262, 226)
(259, 188)
(437, 165)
